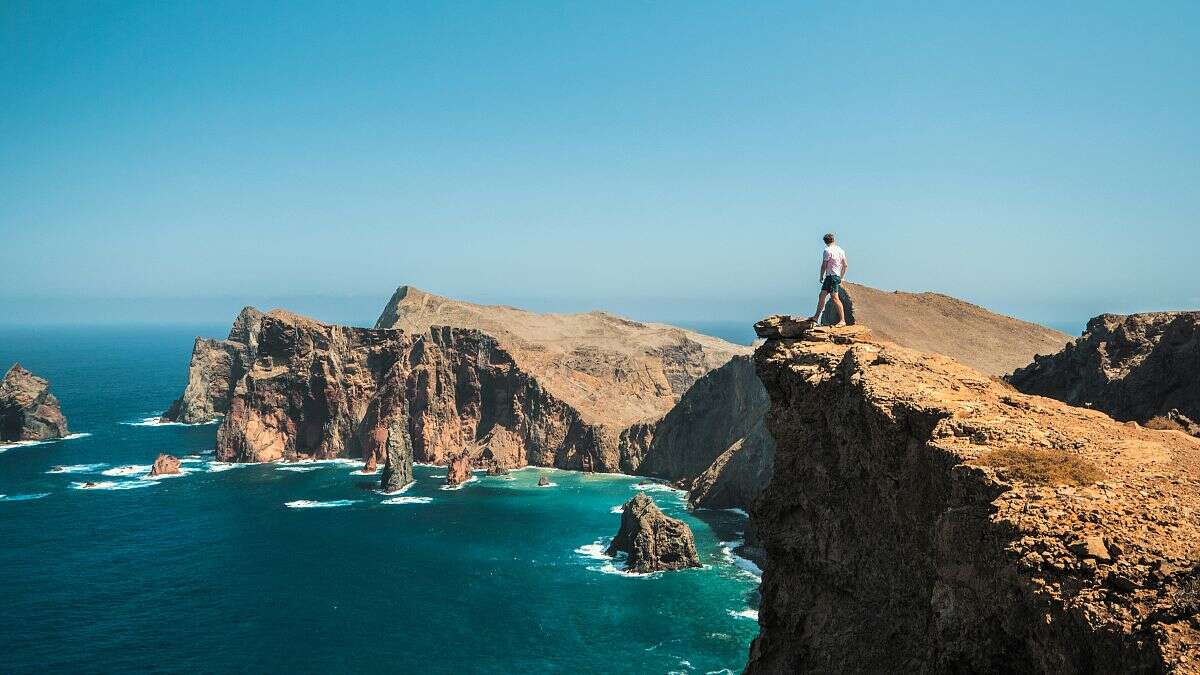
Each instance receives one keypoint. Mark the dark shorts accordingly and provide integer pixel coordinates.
(831, 284)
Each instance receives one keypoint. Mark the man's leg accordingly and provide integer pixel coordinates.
(816, 318)
(837, 302)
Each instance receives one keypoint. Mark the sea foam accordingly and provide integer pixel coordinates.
(23, 498)
(77, 468)
(311, 504)
(407, 500)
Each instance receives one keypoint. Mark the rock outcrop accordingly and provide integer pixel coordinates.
(398, 458)
(1137, 367)
(215, 368)
(165, 465)
(924, 517)
(28, 411)
(315, 390)
(458, 469)
(543, 481)
(652, 541)
(714, 441)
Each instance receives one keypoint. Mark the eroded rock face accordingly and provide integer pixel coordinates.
(28, 411)
(215, 369)
(315, 390)
(164, 465)
(1134, 367)
(714, 440)
(919, 520)
(653, 541)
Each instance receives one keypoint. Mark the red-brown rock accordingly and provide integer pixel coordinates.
(458, 469)
(28, 411)
(164, 465)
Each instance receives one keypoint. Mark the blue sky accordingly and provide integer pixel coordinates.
(674, 161)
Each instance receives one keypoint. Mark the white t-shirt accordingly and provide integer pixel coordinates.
(834, 260)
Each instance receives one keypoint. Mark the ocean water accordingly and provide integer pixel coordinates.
(305, 568)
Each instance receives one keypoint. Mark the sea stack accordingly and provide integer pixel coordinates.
(28, 411)
(398, 462)
(653, 541)
(458, 470)
(165, 465)
(543, 481)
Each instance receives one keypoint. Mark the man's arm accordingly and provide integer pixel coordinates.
(824, 264)
(845, 266)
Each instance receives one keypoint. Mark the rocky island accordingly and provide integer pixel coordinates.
(165, 465)
(652, 541)
(28, 411)
(923, 516)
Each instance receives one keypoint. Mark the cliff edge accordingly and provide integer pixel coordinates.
(924, 517)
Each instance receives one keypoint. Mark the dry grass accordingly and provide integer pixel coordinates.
(1046, 467)
(1162, 423)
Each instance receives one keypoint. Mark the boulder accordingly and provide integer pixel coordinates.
(652, 541)
(543, 481)
(165, 465)
(497, 470)
(782, 327)
(28, 411)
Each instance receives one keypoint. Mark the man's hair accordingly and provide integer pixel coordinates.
(829, 238)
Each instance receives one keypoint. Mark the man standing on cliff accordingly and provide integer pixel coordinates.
(833, 270)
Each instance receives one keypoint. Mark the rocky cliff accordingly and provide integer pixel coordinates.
(713, 441)
(1137, 367)
(613, 371)
(321, 391)
(923, 517)
(652, 541)
(215, 369)
(28, 411)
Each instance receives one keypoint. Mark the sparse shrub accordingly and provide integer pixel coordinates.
(1046, 467)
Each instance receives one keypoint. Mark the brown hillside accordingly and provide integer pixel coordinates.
(932, 322)
(614, 371)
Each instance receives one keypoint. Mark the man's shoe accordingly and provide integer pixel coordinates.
(840, 324)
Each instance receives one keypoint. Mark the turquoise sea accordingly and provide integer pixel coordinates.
(304, 568)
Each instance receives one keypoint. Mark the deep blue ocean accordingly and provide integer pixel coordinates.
(304, 568)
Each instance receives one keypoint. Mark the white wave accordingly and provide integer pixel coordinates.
(77, 468)
(113, 485)
(747, 566)
(407, 500)
(549, 484)
(363, 471)
(460, 486)
(744, 614)
(658, 487)
(191, 460)
(437, 475)
(216, 467)
(740, 512)
(129, 470)
(594, 550)
(311, 504)
(297, 469)
(25, 444)
(23, 498)
(183, 471)
(157, 421)
(343, 461)
(619, 508)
